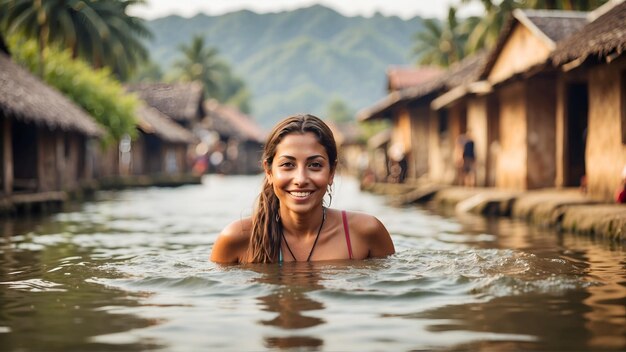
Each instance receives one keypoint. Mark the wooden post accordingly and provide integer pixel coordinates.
(41, 156)
(60, 160)
(7, 156)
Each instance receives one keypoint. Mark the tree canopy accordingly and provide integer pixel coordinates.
(96, 91)
(99, 31)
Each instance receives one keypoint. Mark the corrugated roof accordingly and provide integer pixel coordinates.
(25, 97)
(605, 36)
(230, 121)
(152, 121)
(180, 101)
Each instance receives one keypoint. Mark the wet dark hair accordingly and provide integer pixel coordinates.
(265, 238)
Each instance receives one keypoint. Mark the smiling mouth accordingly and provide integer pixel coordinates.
(301, 194)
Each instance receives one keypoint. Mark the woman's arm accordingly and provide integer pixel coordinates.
(232, 243)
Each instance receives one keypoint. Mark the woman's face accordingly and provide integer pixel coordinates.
(300, 172)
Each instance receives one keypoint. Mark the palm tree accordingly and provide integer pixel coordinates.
(571, 5)
(440, 43)
(98, 31)
(201, 63)
(484, 31)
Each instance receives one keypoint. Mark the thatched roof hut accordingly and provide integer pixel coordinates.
(463, 72)
(231, 122)
(549, 26)
(152, 121)
(26, 98)
(605, 36)
(180, 101)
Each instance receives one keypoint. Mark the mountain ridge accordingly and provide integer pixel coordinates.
(299, 60)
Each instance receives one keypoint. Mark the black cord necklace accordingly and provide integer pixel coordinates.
(314, 243)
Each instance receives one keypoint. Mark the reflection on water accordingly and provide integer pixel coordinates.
(129, 271)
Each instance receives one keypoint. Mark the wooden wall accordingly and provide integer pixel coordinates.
(606, 148)
(513, 157)
(541, 117)
(522, 50)
(420, 116)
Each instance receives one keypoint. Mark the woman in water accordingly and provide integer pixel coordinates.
(290, 221)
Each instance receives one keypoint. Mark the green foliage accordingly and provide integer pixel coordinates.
(441, 43)
(484, 30)
(371, 128)
(202, 63)
(338, 111)
(148, 71)
(99, 31)
(296, 61)
(96, 91)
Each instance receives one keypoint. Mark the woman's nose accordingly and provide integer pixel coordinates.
(301, 176)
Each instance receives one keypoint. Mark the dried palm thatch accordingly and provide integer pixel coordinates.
(152, 121)
(26, 98)
(180, 101)
(229, 121)
(604, 37)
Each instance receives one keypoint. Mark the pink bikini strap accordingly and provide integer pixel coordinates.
(347, 232)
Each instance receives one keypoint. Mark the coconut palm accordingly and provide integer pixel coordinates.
(201, 63)
(571, 5)
(441, 43)
(98, 31)
(484, 31)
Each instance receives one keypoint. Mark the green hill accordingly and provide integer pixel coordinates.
(296, 61)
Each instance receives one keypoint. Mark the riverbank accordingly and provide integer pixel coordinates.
(28, 203)
(566, 210)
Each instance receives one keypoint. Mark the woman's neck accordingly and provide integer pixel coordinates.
(301, 224)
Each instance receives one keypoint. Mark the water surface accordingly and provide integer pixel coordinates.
(129, 271)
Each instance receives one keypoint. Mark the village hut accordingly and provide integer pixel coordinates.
(526, 92)
(408, 113)
(352, 158)
(161, 146)
(423, 136)
(182, 101)
(592, 99)
(239, 143)
(46, 139)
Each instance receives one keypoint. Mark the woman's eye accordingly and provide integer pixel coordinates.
(287, 164)
(315, 165)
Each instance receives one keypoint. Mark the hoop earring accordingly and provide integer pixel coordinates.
(277, 217)
(329, 190)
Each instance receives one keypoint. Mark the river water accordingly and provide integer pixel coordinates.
(129, 271)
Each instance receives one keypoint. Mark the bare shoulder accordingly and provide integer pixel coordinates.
(372, 232)
(232, 243)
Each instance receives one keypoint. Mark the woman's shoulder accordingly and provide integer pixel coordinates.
(238, 229)
(370, 231)
(364, 224)
(232, 242)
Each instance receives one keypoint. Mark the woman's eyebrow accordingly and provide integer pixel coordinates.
(308, 158)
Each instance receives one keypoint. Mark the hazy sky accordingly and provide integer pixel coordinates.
(402, 8)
